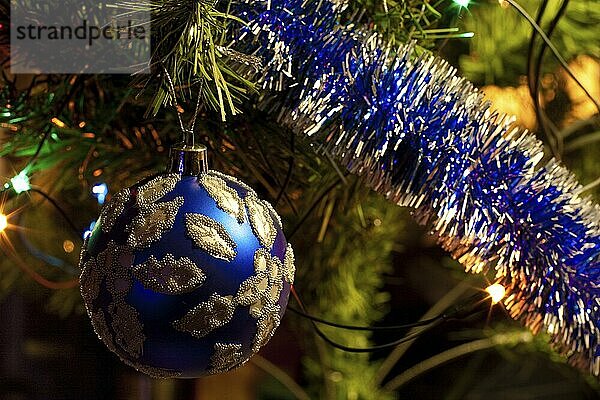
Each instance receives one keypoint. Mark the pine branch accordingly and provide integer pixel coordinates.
(189, 43)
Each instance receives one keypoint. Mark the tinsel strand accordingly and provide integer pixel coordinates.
(424, 138)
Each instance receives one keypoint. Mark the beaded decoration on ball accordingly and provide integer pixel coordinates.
(186, 275)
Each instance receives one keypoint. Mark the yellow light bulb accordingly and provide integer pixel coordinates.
(68, 246)
(3, 222)
(496, 292)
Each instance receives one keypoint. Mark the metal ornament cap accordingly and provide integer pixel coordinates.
(188, 160)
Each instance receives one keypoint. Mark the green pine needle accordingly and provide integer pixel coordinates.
(189, 39)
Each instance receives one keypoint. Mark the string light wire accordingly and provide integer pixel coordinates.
(371, 349)
(364, 328)
(459, 312)
(552, 48)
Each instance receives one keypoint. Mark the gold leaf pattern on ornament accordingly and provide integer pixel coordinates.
(226, 357)
(101, 328)
(274, 213)
(266, 325)
(275, 291)
(152, 221)
(207, 316)
(275, 269)
(110, 265)
(103, 332)
(113, 210)
(169, 275)
(127, 327)
(263, 289)
(90, 280)
(227, 198)
(229, 178)
(84, 255)
(289, 267)
(210, 236)
(252, 289)
(261, 221)
(156, 372)
(262, 258)
(124, 334)
(257, 308)
(156, 188)
(117, 263)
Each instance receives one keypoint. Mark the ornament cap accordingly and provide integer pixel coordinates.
(190, 160)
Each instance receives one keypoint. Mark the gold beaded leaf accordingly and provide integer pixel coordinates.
(152, 221)
(118, 259)
(274, 213)
(252, 289)
(261, 220)
(169, 275)
(207, 316)
(156, 188)
(268, 322)
(257, 308)
(101, 328)
(124, 335)
(227, 198)
(128, 329)
(275, 291)
(90, 280)
(113, 209)
(229, 178)
(155, 372)
(262, 258)
(210, 236)
(262, 290)
(226, 357)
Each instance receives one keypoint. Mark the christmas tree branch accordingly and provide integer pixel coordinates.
(281, 376)
(504, 339)
(442, 304)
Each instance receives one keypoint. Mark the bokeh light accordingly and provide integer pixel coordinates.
(462, 3)
(20, 183)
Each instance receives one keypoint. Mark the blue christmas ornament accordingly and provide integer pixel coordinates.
(187, 273)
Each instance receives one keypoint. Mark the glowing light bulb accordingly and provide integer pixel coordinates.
(462, 3)
(100, 191)
(68, 246)
(20, 183)
(88, 231)
(3, 222)
(496, 292)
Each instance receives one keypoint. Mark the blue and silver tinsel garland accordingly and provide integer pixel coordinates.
(424, 138)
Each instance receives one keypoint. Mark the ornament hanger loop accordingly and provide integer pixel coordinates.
(189, 138)
(186, 157)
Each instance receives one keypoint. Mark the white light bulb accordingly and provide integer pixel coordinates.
(496, 292)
